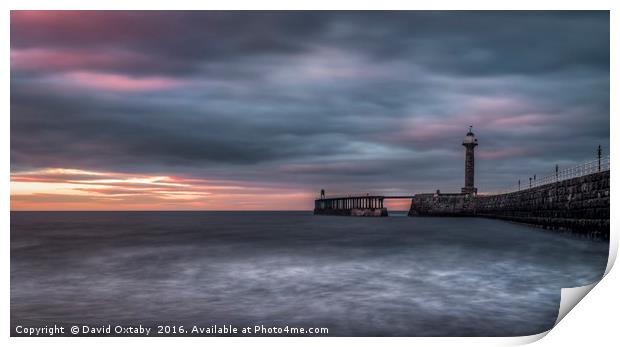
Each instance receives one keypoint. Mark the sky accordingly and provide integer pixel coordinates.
(206, 110)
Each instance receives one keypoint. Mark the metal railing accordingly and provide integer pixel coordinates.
(597, 165)
(348, 195)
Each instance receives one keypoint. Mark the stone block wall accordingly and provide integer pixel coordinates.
(442, 205)
(579, 204)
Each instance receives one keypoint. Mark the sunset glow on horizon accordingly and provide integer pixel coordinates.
(70, 189)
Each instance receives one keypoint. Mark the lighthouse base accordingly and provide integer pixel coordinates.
(469, 190)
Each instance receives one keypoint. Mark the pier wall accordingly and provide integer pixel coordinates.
(447, 205)
(579, 204)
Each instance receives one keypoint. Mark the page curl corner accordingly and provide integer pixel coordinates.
(570, 297)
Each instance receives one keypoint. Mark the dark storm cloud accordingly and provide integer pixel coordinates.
(351, 101)
(163, 42)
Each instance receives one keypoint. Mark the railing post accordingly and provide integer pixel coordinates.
(519, 185)
(599, 158)
(556, 172)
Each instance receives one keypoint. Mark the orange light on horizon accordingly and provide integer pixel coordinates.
(74, 189)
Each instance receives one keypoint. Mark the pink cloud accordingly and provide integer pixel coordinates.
(79, 26)
(117, 82)
(481, 112)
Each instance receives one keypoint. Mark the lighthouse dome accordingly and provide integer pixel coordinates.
(470, 138)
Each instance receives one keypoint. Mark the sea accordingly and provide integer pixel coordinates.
(332, 275)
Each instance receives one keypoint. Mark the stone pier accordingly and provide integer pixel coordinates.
(579, 204)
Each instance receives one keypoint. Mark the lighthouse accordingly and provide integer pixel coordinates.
(470, 142)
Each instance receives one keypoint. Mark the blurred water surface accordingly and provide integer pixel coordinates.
(356, 276)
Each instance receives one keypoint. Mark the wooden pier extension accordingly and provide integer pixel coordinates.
(363, 206)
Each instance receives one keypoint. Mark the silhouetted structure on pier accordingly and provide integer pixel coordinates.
(470, 142)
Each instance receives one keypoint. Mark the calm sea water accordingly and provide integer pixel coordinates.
(356, 276)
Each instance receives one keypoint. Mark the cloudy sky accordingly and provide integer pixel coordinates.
(260, 110)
